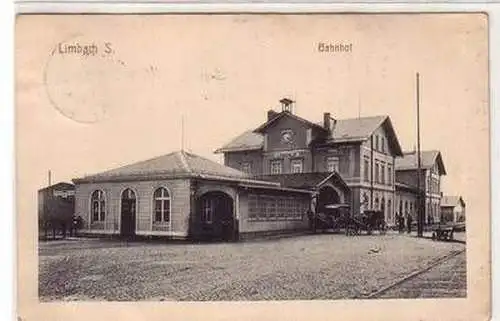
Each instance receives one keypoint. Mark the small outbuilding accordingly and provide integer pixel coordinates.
(452, 209)
(56, 204)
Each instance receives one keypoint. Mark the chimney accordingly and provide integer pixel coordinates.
(271, 114)
(327, 121)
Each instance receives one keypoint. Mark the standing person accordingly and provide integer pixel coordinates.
(74, 223)
(79, 224)
(408, 223)
(401, 222)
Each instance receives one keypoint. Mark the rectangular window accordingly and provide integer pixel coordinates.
(367, 170)
(332, 164)
(382, 174)
(282, 207)
(289, 207)
(377, 172)
(382, 144)
(276, 166)
(271, 203)
(297, 166)
(376, 142)
(262, 208)
(246, 167)
(389, 175)
(253, 206)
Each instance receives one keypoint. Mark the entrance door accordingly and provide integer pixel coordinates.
(327, 196)
(217, 216)
(128, 213)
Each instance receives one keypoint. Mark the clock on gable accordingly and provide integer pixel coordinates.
(287, 136)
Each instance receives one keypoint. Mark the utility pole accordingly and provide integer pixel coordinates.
(182, 132)
(420, 218)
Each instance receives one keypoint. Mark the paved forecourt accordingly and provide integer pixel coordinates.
(324, 266)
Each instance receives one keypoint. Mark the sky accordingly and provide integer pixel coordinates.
(78, 115)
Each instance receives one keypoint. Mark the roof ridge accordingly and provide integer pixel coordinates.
(139, 162)
(182, 157)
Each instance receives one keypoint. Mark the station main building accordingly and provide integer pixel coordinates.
(272, 177)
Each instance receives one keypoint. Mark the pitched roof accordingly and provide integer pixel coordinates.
(246, 141)
(60, 185)
(451, 201)
(428, 158)
(346, 130)
(309, 181)
(175, 164)
(360, 129)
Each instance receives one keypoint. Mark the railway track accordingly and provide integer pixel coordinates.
(432, 264)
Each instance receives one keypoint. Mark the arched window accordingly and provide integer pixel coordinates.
(161, 205)
(128, 194)
(98, 204)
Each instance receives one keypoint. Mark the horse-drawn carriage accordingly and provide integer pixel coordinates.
(337, 217)
(369, 221)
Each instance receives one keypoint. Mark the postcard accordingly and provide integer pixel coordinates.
(253, 166)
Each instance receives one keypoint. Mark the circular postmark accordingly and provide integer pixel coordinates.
(80, 78)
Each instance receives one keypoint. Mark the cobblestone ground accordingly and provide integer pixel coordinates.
(448, 279)
(298, 268)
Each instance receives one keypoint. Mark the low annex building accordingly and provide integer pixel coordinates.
(452, 209)
(56, 204)
(182, 195)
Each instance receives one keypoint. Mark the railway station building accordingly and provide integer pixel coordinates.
(362, 151)
(273, 179)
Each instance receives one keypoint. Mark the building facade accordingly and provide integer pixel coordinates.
(56, 204)
(452, 209)
(274, 178)
(182, 195)
(361, 150)
(431, 170)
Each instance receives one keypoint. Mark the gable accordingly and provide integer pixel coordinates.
(429, 159)
(287, 132)
(284, 114)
